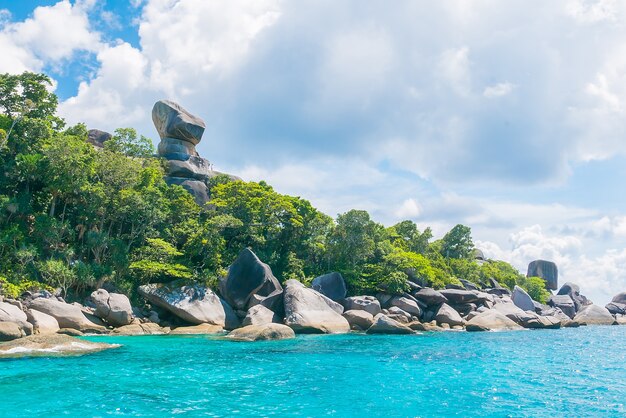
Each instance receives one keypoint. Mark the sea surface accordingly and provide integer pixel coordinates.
(569, 372)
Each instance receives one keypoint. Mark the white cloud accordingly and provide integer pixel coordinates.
(409, 209)
(592, 11)
(454, 66)
(498, 90)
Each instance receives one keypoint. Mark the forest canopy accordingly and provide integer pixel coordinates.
(75, 217)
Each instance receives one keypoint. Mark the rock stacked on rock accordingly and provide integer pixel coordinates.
(114, 308)
(547, 270)
(180, 132)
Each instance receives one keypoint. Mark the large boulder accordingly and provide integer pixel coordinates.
(97, 137)
(11, 313)
(573, 291)
(114, 308)
(594, 315)
(458, 296)
(262, 333)
(616, 308)
(619, 298)
(42, 322)
(249, 276)
(564, 303)
(364, 303)
(193, 168)
(176, 149)
(406, 304)
(527, 319)
(384, 325)
(10, 331)
(193, 303)
(259, 315)
(358, 319)
(308, 311)
(430, 297)
(522, 300)
(68, 316)
(196, 188)
(172, 121)
(491, 320)
(447, 315)
(547, 270)
(330, 285)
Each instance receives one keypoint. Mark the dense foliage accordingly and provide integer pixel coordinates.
(75, 217)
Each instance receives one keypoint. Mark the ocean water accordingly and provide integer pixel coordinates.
(569, 372)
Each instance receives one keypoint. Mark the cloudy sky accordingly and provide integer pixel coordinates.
(505, 116)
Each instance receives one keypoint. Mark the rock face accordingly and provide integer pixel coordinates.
(430, 297)
(180, 132)
(447, 315)
(249, 276)
(97, 137)
(193, 303)
(522, 300)
(68, 316)
(491, 320)
(385, 325)
(547, 270)
(364, 303)
(114, 308)
(11, 313)
(262, 333)
(308, 311)
(260, 315)
(50, 345)
(359, 320)
(42, 323)
(594, 315)
(330, 285)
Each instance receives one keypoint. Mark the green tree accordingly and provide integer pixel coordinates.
(125, 141)
(458, 243)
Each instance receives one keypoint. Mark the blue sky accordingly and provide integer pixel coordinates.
(507, 117)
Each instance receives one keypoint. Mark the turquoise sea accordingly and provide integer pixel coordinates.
(569, 372)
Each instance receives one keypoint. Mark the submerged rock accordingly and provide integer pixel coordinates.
(262, 333)
(308, 311)
(384, 325)
(193, 303)
(330, 285)
(50, 345)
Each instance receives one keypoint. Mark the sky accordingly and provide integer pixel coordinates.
(508, 117)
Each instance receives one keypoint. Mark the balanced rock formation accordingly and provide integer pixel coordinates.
(547, 270)
(180, 132)
(247, 277)
(308, 311)
(193, 303)
(114, 308)
(330, 285)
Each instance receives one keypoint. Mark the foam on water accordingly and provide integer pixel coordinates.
(569, 372)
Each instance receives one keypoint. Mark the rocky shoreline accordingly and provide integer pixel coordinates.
(252, 305)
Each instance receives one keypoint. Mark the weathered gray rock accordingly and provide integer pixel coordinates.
(573, 291)
(171, 120)
(527, 319)
(11, 313)
(457, 296)
(385, 325)
(68, 316)
(193, 168)
(193, 303)
(616, 308)
(491, 320)
(594, 315)
(202, 329)
(468, 285)
(10, 331)
(50, 345)
(260, 315)
(447, 315)
(399, 315)
(308, 311)
(248, 276)
(430, 297)
(359, 319)
(365, 303)
(42, 322)
(564, 303)
(619, 298)
(547, 270)
(330, 285)
(262, 333)
(176, 149)
(522, 300)
(406, 305)
(114, 308)
(196, 188)
(97, 137)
